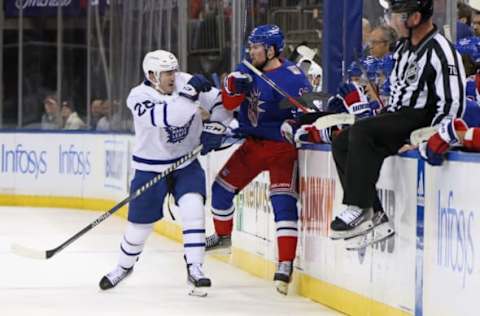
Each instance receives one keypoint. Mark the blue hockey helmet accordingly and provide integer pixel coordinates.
(268, 35)
(373, 66)
(354, 70)
(388, 64)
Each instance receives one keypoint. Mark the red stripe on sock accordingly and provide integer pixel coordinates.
(287, 247)
(223, 228)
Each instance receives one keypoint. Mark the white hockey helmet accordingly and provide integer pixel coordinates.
(475, 4)
(159, 61)
(315, 70)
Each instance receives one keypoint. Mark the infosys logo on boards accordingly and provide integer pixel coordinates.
(455, 246)
(114, 164)
(23, 160)
(72, 161)
(41, 3)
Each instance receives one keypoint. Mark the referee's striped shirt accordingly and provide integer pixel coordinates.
(428, 75)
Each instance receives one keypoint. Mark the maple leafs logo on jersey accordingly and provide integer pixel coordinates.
(178, 134)
(254, 108)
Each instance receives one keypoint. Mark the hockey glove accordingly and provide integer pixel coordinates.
(354, 100)
(197, 84)
(237, 83)
(288, 130)
(309, 134)
(212, 136)
(433, 151)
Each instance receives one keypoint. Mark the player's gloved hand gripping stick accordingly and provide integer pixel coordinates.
(322, 122)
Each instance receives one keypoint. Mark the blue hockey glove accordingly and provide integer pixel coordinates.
(197, 84)
(212, 136)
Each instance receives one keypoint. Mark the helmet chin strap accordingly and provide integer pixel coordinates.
(410, 29)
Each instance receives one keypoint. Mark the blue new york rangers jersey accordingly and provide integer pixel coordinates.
(260, 115)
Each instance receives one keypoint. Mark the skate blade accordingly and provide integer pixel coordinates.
(197, 292)
(282, 287)
(352, 233)
(378, 234)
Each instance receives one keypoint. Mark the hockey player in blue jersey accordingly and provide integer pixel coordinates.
(264, 149)
(168, 125)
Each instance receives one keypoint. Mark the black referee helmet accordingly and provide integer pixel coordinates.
(425, 7)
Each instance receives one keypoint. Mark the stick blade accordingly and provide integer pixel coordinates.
(334, 120)
(23, 251)
(422, 134)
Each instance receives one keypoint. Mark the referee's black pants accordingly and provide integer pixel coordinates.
(359, 152)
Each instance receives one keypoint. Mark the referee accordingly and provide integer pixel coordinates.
(427, 84)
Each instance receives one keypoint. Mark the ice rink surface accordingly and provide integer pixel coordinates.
(67, 284)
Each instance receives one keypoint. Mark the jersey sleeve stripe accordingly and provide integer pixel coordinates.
(152, 116)
(165, 115)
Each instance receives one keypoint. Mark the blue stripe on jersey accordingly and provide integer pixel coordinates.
(199, 244)
(152, 116)
(153, 161)
(194, 231)
(165, 114)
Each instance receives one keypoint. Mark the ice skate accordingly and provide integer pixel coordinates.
(111, 279)
(197, 280)
(218, 244)
(382, 229)
(352, 222)
(283, 276)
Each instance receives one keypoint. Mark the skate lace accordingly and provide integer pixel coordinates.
(116, 275)
(350, 214)
(196, 271)
(211, 240)
(285, 267)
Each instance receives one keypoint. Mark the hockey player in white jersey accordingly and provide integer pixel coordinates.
(168, 125)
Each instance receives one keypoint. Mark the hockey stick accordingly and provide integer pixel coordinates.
(333, 120)
(274, 86)
(422, 134)
(47, 254)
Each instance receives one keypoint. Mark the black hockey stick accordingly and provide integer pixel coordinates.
(275, 86)
(47, 254)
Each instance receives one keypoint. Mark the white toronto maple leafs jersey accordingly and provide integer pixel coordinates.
(167, 127)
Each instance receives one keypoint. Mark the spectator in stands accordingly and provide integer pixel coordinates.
(464, 12)
(381, 41)
(70, 117)
(475, 21)
(51, 119)
(366, 29)
(111, 120)
(96, 112)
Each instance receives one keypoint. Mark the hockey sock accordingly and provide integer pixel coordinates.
(222, 207)
(223, 221)
(287, 240)
(132, 243)
(193, 220)
(471, 139)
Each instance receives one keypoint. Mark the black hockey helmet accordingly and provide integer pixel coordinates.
(425, 7)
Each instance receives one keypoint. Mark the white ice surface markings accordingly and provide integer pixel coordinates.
(67, 284)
